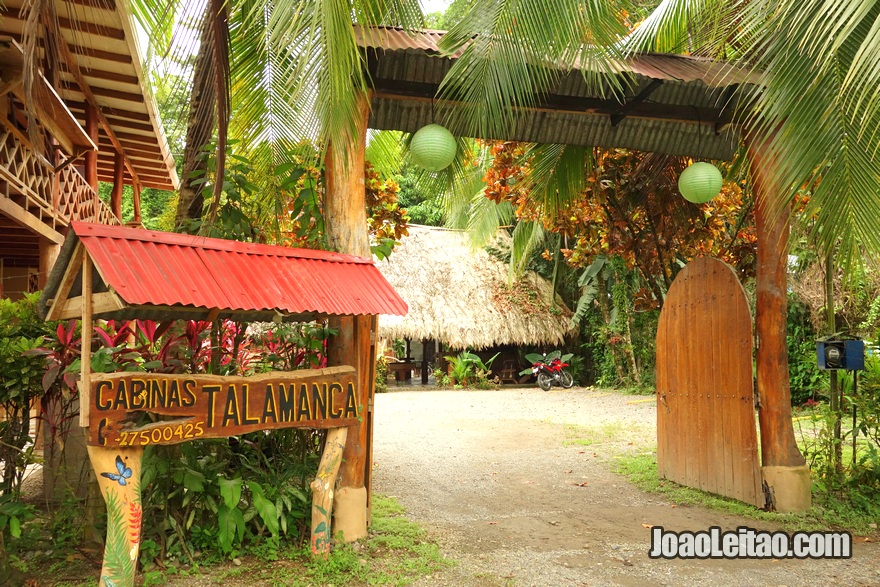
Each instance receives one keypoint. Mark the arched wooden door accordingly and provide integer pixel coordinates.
(706, 430)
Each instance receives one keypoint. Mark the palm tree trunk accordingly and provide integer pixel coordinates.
(199, 131)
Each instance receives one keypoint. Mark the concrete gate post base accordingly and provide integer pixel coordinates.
(789, 488)
(350, 513)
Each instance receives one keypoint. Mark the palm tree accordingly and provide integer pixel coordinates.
(811, 125)
(818, 105)
(269, 74)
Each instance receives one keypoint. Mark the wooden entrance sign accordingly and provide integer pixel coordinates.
(211, 406)
(193, 407)
(183, 277)
(706, 434)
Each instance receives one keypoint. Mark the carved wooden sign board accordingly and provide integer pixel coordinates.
(141, 409)
(129, 411)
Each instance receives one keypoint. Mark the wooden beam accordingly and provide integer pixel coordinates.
(12, 79)
(74, 69)
(623, 112)
(55, 116)
(110, 76)
(96, 4)
(110, 111)
(91, 167)
(137, 201)
(106, 165)
(130, 124)
(145, 150)
(323, 488)
(73, 86)
(116, 194)
(80, 50)
(78, 26)
(417, 91)
(100, 54)
(25, 218)
(85, 307)
(48, 254)
(101, 303)
(56, 304)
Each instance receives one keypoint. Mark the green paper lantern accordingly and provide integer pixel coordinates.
(700, 182)
(433, 147)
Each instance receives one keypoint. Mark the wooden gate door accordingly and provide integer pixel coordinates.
(706, 431)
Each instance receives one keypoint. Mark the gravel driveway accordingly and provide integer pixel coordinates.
(516, 486)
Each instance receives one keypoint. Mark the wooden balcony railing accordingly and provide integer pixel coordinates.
(55, 199)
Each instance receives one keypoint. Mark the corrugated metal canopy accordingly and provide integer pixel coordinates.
(100, 36)
(673, 104)
(160, 275)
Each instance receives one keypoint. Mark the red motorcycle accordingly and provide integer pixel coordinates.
(550, 370)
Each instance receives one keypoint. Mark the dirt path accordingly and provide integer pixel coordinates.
(517, 487)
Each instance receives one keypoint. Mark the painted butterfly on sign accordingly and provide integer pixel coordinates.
(122, 472)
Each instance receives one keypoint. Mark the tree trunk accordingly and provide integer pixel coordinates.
(778, 445)
(345, 217)
(199, 130)
(631, 355)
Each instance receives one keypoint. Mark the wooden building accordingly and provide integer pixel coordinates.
(74, 110)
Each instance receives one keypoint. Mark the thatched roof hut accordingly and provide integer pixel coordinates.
(461, 297)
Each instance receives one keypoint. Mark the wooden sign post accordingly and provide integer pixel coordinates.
(129, 411)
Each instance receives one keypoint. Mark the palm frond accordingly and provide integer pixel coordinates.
(514, 52)
(557, 174)
(527, 237)
(698, 27)
(820, 142)
(485, 217)
(385, 152)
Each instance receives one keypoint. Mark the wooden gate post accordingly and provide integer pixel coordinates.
(784, 468)
(345, 216)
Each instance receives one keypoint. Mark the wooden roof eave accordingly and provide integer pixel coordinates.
(149, 99)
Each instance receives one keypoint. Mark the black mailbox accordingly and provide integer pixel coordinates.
(846, 355)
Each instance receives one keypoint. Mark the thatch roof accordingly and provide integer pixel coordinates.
(461, 297)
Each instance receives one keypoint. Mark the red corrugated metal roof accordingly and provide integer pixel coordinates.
(166, 269)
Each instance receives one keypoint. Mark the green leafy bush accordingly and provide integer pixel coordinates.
(21, 386)
(805, 378)
(469, 370)
(213, 499)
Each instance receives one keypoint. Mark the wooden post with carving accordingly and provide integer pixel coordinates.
(323, 490)
(119, 476)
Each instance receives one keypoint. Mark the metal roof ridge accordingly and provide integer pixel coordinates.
(86, 229)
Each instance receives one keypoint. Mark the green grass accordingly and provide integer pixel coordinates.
(826, 513)
(396, 553)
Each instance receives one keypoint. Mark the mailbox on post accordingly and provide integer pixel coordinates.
(839, 354)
